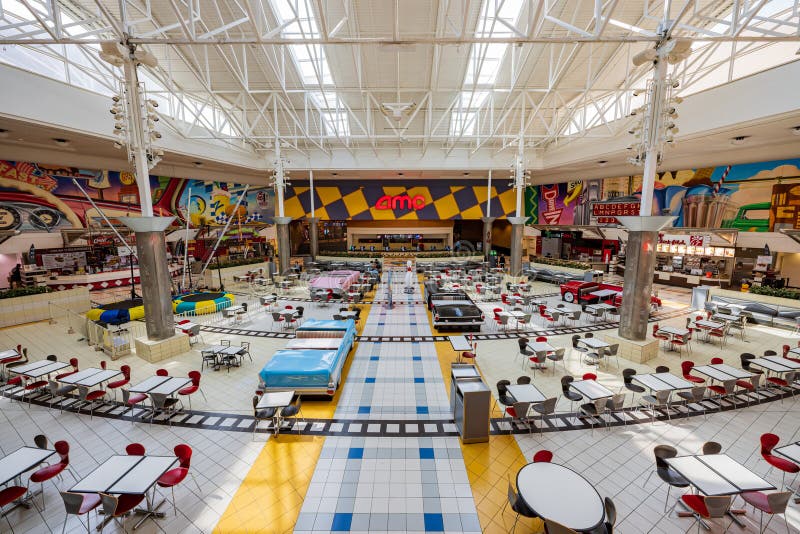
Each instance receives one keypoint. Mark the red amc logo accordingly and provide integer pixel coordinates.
(387, 202)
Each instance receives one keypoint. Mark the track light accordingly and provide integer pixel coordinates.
(155, 135)
(115, 98)
(152, 102)
(117, 145)
(676, 84)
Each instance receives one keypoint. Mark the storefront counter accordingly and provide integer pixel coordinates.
(104, 280)
(682, 279)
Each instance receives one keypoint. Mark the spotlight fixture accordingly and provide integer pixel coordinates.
(197, 163)
(118, 145)
(3, 133)
(466, 174)
(676, 84)
(334, 174)
(602, 162)
(60, 141)
(795, 130)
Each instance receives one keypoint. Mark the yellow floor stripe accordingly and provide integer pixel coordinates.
(271, 495)
(489, 467)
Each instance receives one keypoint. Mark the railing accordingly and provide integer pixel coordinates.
(116, 341)
(75, 323)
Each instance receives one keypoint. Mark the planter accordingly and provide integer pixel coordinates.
(32, 308)
(535, 265)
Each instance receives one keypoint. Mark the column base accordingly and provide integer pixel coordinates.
(632, 350)
(155, 351)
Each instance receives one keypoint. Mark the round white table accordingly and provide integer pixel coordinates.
(560, 494)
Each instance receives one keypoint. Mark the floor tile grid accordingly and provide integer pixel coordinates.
(386, 484)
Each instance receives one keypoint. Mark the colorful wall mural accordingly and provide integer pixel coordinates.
(749, 197)
(44, 198)
(393, 200)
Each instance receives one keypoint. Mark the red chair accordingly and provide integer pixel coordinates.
(74, 363)
(91, 396)
(662, 337)
(717, 361)
(719, 333)
(115, 507)
(133, 399)
(162, 372)
(79, 504)
(175, 476)
(682, 341)
(590, 376)
(504, 299)
(52, 471)
(768, 442)
(103, 365)
(135, 449)
(29, 388)
(786, 349)
(541, 339)
(686, 367)
(543, 456)
(707, 507)
(9, 495)
(771, 503)
(194, 388)
(126, 379)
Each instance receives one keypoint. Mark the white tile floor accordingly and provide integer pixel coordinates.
(616, 461)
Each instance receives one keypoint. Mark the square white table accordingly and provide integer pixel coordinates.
(786, 362)
(593, 342)
(15, 464)
(525, 393)
(591, 389)
(771, 365)
(148, 384)
(275, 399)
(662, 381)
(718, 474)
(460, 343)
(604, 293)
(92, 377)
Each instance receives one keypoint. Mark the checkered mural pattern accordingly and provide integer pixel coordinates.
(352, 200)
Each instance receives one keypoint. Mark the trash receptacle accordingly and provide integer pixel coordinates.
(470, 400)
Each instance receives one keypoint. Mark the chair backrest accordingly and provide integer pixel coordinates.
(525, 379)
(778, 501)
(110, 503)
(551, 527)
(135, 449)
(611, 511)
(600, 406)
(768, 442)
(559, 354)
(256, 398)
(612, 349)
(541, 339)
(686, 366)
(618, 401)
(51, 358)
(195, 376)
(770, 353)
(627, 375)
(589, 376)
(126, 371)
(543, 456)
(664, 452)
(588, 335)
(712, 447)
(502, 387)
(575, 340)
(276, 316)
(74, 363)
(662, 369)
(744, 359)
(72, 502)
(40, 440)
(62, 448)
(566, 381)
(512, 493)
(523, 343)
(158, 399)
(729, 385)
(225, 342)
(162, 372)
(717, 361)
(521, 409)
(184, 454)
(698, 392)
(717, 505)
(548, 406)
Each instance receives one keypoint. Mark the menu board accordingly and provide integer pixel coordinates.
(709, 251)
(61, 260)
(730, 252)
(681, 249)
(719, 251)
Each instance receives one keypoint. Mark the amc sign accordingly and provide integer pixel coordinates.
(403, 202)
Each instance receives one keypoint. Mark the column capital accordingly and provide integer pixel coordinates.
(282, 220)
(518, 220)
(147, 224)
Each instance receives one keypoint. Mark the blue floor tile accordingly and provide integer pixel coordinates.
(419, 380)
(341, 522)
(426, 453)
(357, 453)
(422, 410)
(374, 358)
(434, 523)
(369, 380)
(416, 358)
(363, 409)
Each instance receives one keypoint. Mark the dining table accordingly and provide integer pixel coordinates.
(277, 400)
(673, 333)
(525, 393)
(128, 475)
(560, 494)
(17, 463)
(591, 389)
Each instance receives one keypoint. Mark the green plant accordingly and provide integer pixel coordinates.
(562, 263)
(24, 292)
(775, 292)
(236, 263)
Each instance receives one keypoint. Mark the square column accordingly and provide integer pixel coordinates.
(487, 235)
(640, 262)
(151, 248)
(284, 246)
(517, 230)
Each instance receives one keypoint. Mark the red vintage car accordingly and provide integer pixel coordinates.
(581, 292)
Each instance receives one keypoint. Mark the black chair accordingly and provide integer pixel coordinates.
(523, 380)
(665, 472)
(246, 350)
(502, 395)
(611, 515)
(567, 393)
(526, 353)
(662, 369)
(208, 359)
(744, 359)
(712, 447)
(576, 346)
(264, 414)
(51, 358)
(292, 411)
(627, 379)
(518, 505)
(300, 310)
(770, 353)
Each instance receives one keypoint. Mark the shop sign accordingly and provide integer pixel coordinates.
(551, 213)
(690, 240)
(393, 202)
(607, 212)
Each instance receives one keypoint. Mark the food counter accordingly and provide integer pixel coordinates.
(104, 280)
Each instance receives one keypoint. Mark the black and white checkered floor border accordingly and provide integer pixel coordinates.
(241, 422)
